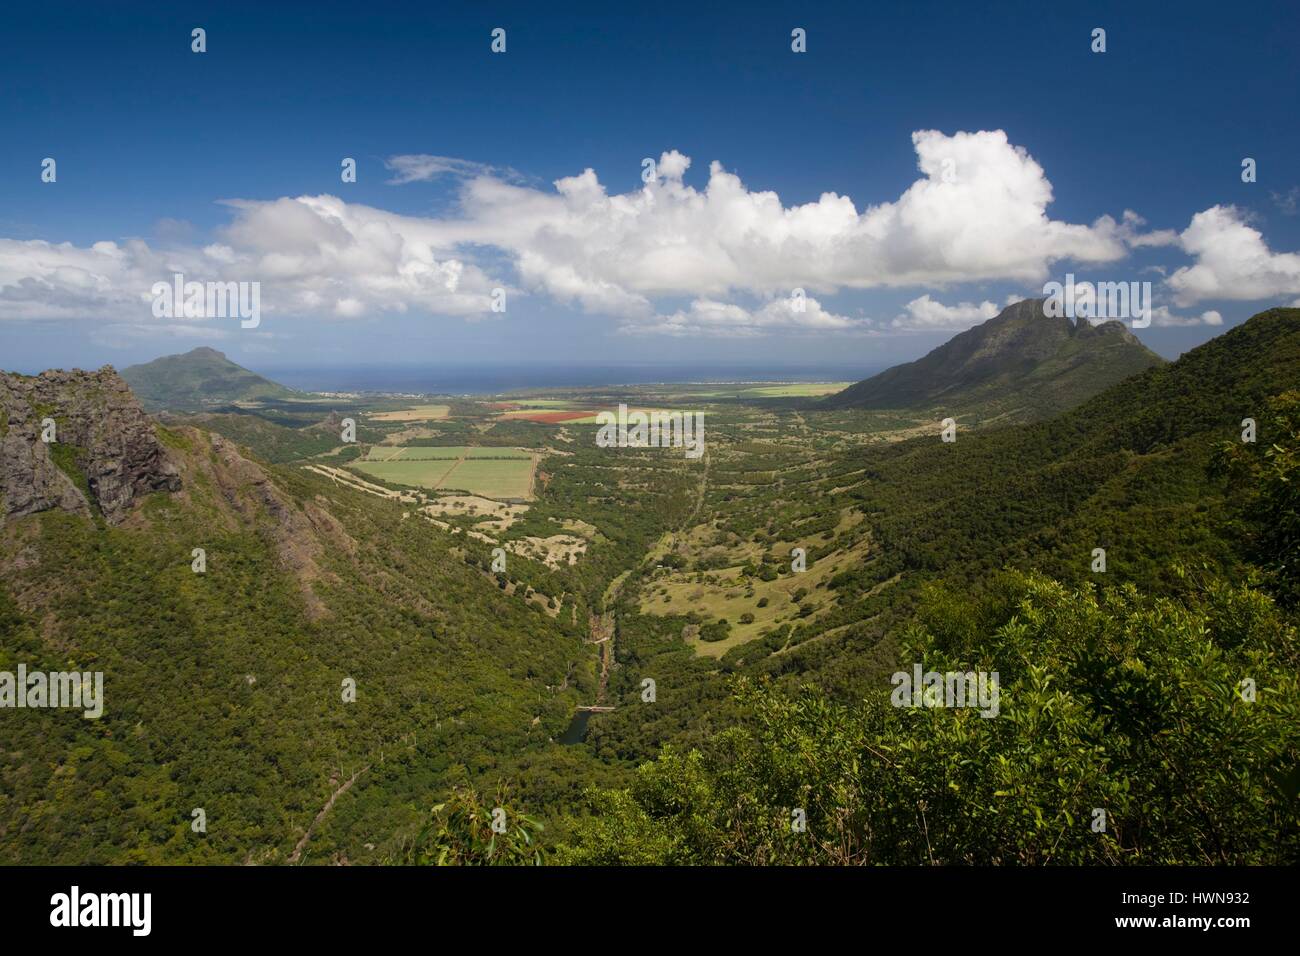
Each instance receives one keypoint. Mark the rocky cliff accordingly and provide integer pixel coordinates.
(104, 455)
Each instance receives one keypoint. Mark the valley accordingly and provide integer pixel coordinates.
(502, 591)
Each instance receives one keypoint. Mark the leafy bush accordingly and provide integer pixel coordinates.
(1109, 701)
(460, 833)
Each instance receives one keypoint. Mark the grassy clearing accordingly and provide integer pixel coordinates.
(727, 593)
(554, 552)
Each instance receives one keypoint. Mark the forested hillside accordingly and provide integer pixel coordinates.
(1139, 472)
(1019, 365)
(224, 689)
(227, 688)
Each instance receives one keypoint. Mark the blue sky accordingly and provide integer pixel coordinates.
(152, 140)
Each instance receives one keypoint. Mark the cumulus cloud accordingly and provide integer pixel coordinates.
(314, 255)
(1130, 230)
(1232, 261)
(1161, 316)
(926, 314)
(977, 212)
(712, 318)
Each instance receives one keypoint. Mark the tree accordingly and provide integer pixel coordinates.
(465, 830)
(1113, 707)
(1266, 477)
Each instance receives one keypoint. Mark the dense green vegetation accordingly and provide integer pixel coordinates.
(273, 443)
(1110, 701)
(1121, 690)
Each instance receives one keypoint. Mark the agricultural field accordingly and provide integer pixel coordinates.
(794, 390)
(427, 473)
(442, 452)
(493, 478)
(416, 413)
(547, 413)
(555, 412)
(505, 473)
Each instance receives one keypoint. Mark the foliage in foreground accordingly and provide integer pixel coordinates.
(1266, 476)
(1109, 700)
(467, 830)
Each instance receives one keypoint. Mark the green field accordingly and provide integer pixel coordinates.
(796, 390)
(418, 474)
(490, 472)
(493, 478)
(384, 453)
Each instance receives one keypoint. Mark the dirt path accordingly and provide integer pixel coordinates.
(329, 804)
(601, 629)
(699, 499)
(448, 473)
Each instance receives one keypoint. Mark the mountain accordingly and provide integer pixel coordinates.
(1020, 363)
(222, 688)
(202, 378)
(226, 685)
(1137, 660)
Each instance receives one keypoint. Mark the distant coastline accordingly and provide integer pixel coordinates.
(489, 380)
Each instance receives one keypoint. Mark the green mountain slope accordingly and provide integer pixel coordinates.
(224, 690)
(1020, 363)
(201, 378)
(1127, 471)
(1121, 690)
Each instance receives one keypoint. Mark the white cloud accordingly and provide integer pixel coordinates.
(926, 314)
(120, 335)
(1288, 202)
(1130, 231)
(314, 255)
(978, 212)
(1232, 261)
(1161, 316)
(713, 318)
(422, 168)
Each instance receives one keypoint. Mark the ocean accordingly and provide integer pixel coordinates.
(493, 379)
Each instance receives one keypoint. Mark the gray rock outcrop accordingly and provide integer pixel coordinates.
(105, 452)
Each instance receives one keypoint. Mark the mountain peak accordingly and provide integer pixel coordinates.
(1039, 363)
(200, 378)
